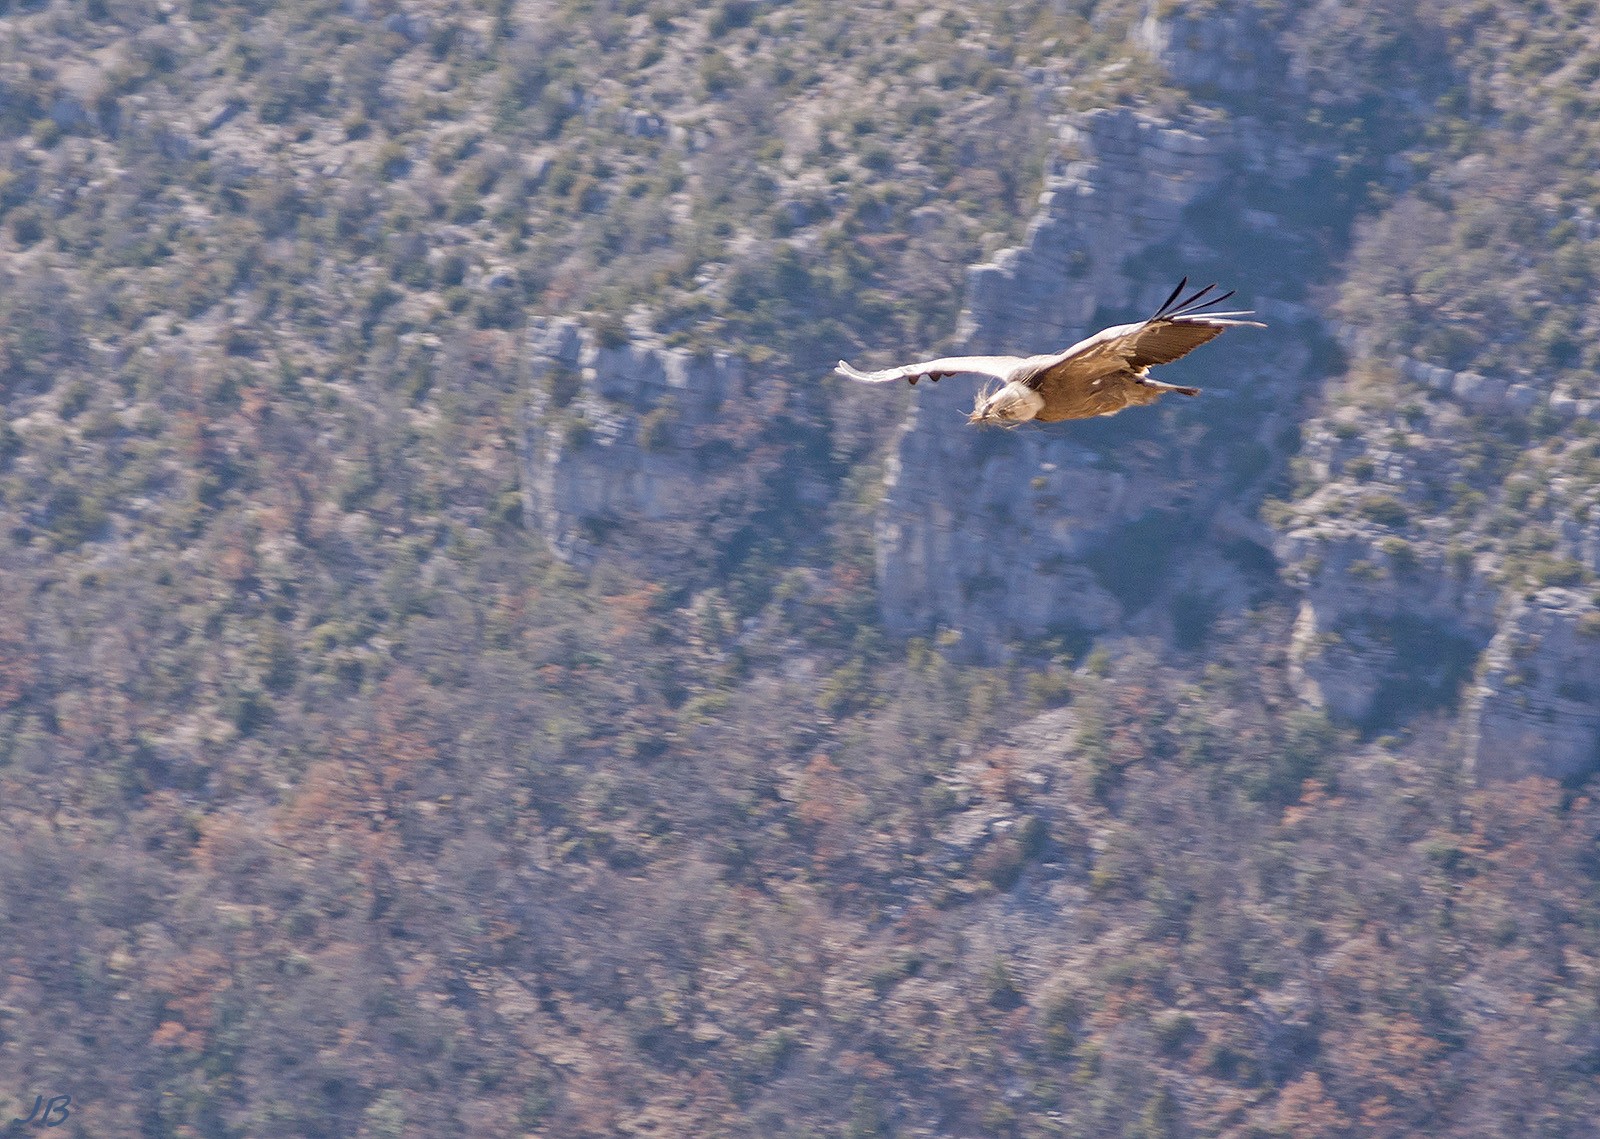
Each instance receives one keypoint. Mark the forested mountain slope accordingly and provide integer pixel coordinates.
(465, 666)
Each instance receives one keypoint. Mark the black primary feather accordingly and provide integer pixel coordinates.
(1194, 304)
(1192, 299)
(1193, 308)
(1160, 312)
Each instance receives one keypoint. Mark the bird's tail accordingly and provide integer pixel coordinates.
(1163, 387)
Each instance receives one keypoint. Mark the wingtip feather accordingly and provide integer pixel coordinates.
(1200, 305)
(1183, 284)
(1193, 299)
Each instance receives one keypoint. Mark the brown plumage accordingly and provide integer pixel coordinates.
(1100, 375)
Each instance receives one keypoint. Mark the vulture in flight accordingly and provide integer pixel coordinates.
(1098, 376)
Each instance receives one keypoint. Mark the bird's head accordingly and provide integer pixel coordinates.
(1012, 405)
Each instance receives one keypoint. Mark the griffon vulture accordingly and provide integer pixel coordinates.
(1098, 376)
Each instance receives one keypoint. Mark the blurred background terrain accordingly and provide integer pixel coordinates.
(465, 666)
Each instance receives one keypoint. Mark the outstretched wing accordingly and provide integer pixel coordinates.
(1177, 328)
(1000, 367)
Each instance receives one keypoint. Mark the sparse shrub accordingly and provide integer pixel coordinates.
(655, 428)
(610, 330)
(1550, 571)
(1175, 1030)
(1061, 1012)
(27, 226)
(1001, 862)
(1384, 509)
(999, 989)
(74, 516)
(729, 16)
(1402, 554)
(577, 432)
(717, 75)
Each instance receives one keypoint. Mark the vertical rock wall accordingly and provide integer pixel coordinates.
(1535, 707)
(1003, 537)
(986, 532)
(626, 437)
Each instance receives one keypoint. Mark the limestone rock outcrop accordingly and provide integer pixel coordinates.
(1224, 48)
(1124, 182)
(991, 534)
(1535, 707)
(1381, 631)
(996, 538)
(616, 438)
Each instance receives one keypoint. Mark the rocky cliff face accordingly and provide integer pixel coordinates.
(1535, 706)
(1402, 539)
(1411, 566)
(1119, 188)
(1402, 597)
(1019, 535)
(1443, 540)
(1225, 48)
(1391, 615)
(616, 440)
